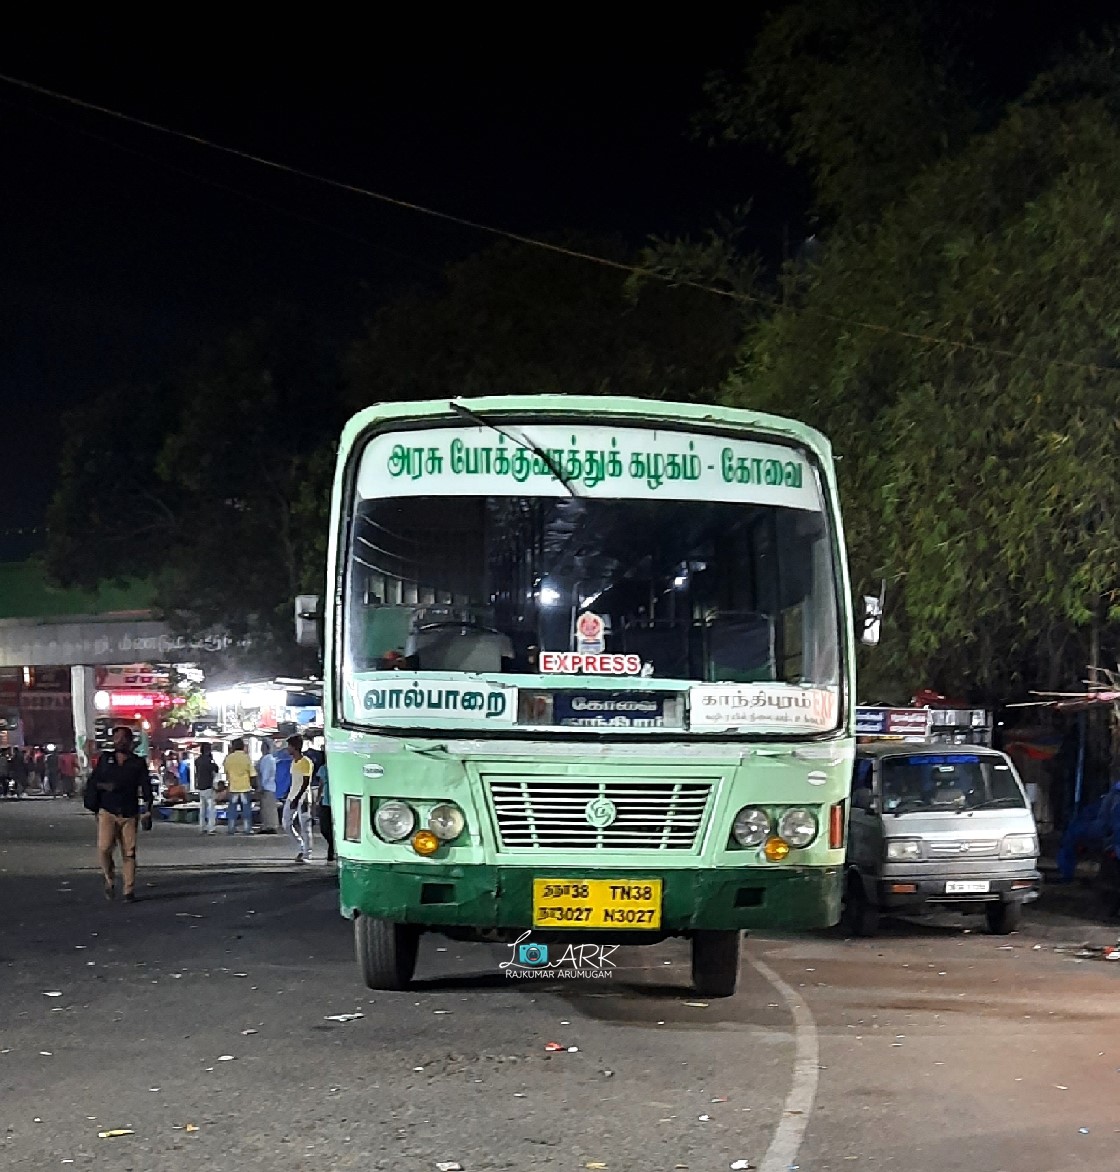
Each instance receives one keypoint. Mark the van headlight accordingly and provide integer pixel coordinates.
(1019, 846)
(903, 849)
(446, 821)
(751, 826)
(798, 827)
(394, 821)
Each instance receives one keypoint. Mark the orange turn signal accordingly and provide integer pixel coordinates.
(775, 849)
(836, 826)
(424, 842)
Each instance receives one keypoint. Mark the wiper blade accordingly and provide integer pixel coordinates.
(992, 803)
(521, 441)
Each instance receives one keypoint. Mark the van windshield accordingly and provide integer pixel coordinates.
(951, 783)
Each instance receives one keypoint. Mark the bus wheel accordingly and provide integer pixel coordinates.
(861, 915)
(715, 963)
(1004, 917)
(386, 952)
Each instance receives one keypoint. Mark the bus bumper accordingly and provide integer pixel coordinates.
(485, 896)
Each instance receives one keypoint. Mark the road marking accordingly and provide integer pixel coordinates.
(782, 1152)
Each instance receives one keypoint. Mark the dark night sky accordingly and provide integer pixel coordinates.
(116, 262)
(119, 255)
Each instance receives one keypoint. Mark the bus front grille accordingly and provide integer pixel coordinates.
(571, 813)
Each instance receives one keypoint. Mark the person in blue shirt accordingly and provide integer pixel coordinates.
(266, 774)
(326, 826)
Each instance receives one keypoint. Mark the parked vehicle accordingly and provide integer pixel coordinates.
(936, 827)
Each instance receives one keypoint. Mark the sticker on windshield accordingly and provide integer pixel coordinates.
(576, 663)
(715, 706)
(376, 697)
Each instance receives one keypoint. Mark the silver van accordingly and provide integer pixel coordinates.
(938, 827)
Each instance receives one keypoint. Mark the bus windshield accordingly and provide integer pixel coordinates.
(704, 603)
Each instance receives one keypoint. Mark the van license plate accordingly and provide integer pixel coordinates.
(597, 903)
(968, 887)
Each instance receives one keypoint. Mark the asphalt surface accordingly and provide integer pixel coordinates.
(196, 1021)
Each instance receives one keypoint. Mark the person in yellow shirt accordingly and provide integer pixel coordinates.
(239, 777)
(298, 804)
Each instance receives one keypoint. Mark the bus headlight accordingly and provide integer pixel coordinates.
(751, 826)
(446, 821)
(394, 821)
(798, 827)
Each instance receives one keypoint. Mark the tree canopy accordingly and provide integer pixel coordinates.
(960, 348)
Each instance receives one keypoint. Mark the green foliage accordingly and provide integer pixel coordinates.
(516, 320)
(976, 422)
(860, 93)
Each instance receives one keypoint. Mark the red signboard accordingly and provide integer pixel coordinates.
(132, 701)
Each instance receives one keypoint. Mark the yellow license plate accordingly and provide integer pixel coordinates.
(597, 903)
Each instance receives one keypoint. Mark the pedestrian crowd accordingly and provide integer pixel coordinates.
(41, 770)
(288, 781)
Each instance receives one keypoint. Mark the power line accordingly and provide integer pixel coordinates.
(549, 246)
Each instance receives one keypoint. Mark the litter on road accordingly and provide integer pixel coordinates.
(342, 1017)
(115, 1133)
(449, 1166)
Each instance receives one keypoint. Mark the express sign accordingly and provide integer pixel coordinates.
(575, 662)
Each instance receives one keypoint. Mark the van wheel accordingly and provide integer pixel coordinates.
(1003, 918)
(386, 952)
(715, 963)
(860, 914)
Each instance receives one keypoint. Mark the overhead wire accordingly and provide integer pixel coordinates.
(548, 245)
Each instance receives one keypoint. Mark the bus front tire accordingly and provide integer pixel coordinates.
(386, 952)
(715, 963)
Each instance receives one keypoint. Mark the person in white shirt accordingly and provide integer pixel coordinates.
(297, 807)
(266, 776)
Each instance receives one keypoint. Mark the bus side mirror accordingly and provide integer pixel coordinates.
(872, 617)
(308, 620)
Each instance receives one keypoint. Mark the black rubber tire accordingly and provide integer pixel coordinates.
(1003, 918)
(386, 952)
(860, 914)
(715, 962)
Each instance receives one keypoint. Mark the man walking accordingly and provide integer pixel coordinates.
(266, 774)
(205, 773)
(298, 805)
(239, 777)
(113, 793)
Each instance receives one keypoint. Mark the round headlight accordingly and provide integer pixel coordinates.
(751, 826)
(446, 821)
(798, 827)
(394, 821)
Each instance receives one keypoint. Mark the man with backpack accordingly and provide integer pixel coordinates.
(113, 793)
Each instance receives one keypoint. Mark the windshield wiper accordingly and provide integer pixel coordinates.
(991, 804)
(520, 440)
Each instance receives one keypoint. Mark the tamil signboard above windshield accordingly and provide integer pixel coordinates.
(619, 462)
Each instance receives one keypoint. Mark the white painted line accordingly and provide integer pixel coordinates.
(798, 1106)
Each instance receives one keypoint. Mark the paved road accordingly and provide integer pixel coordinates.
(930, 1049)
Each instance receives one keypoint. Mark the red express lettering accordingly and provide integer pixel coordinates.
(571, 662)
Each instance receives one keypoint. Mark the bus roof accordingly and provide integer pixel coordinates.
(597, 408)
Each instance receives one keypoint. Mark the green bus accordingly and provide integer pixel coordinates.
(588, 676)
